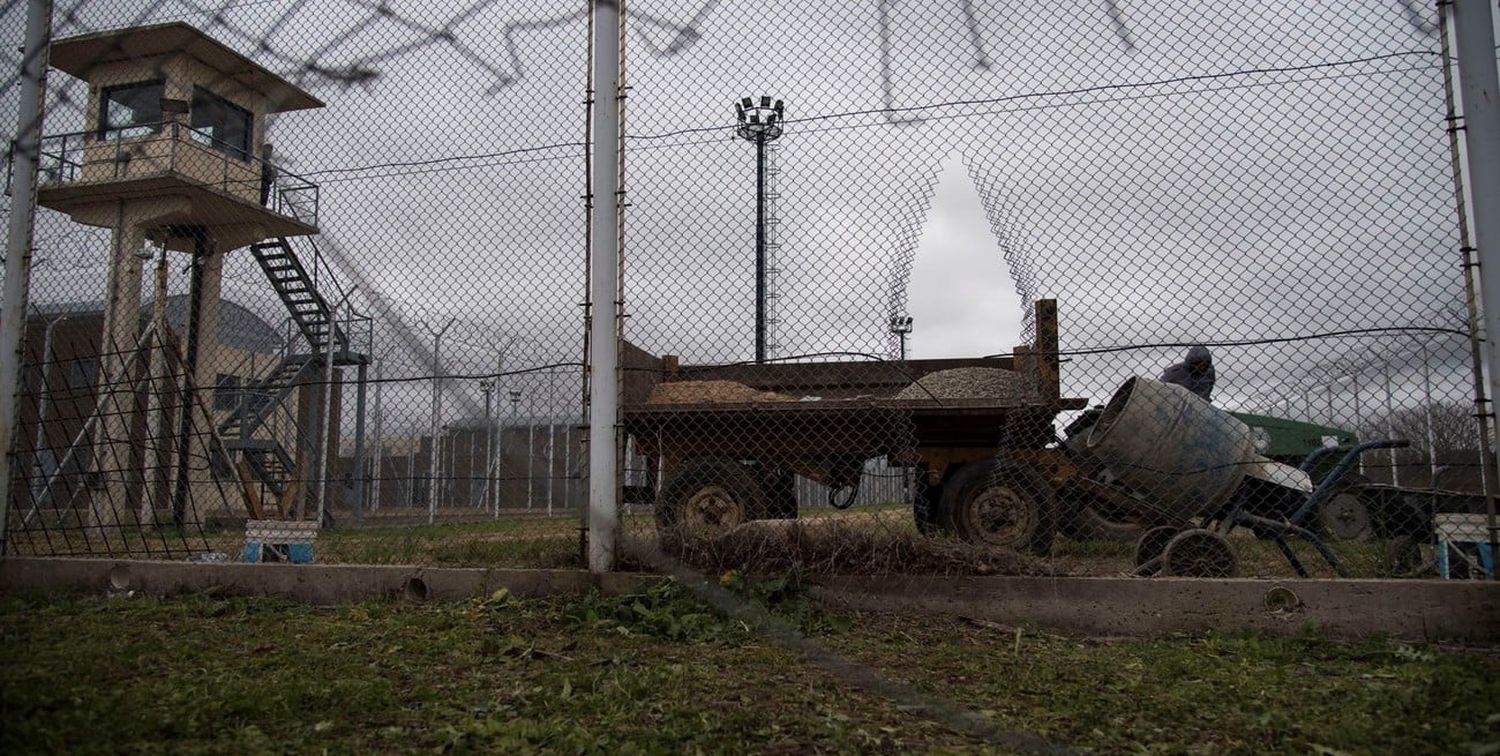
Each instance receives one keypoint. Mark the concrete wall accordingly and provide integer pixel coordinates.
(1423, 610)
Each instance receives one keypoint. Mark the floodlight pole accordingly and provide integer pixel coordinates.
(25, 158)
(760, 124)
(1479, 84)
(760, 248)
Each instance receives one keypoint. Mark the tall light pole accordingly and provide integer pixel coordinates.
(487, 387)
(760, 124)
(437, 411)
(901, 326)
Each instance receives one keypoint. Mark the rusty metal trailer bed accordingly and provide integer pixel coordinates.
(721, 464)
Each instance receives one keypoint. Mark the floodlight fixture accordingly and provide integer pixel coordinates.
(901, 325)
(759, 122)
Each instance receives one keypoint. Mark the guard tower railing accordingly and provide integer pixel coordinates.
(175, 151)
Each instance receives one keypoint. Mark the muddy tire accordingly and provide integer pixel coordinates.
(706, 497)
(999, 504)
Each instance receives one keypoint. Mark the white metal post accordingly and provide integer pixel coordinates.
(1390, 430)
(1479, 85)
(13, 298)
(326, 409)
(604, 285)
(1432, 460)
(437, 390)
(379, 440)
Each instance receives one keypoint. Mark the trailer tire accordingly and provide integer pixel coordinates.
(999, 504)
(926, 507)
(1346, 517)
(781, 497)
(1198, 553)
(708, 496)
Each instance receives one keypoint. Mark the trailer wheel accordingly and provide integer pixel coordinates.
(926, 503)
(1151, 544)
(999, 504)
(1345, 517)
(1198, 553)
(708, 496)
(1402, 558)
(781, 496)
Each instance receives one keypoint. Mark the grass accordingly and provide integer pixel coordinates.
(877, 539)
(659, 672)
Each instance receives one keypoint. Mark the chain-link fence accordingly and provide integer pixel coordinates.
(972, 287)
(377, 321)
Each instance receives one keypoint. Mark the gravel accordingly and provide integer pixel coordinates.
(959, 383)
(968, 383)
(712, 392)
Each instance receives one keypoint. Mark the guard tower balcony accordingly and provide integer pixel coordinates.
(84, 168)
(174, 117)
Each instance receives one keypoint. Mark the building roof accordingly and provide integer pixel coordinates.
(79, 55)
(239, 328)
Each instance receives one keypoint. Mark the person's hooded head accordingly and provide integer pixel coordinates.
(1198, 360)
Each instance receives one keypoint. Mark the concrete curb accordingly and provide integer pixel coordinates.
(1426, 610)
(314, 584)
(1130, 607)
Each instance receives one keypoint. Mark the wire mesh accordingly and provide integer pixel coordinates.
(907, 287)
(377, 322)
(1273, 184)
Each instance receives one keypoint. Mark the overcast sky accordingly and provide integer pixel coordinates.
(1182, 172)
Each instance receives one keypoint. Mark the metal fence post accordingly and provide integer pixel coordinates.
(1479, 85)
(604, 521)
(13, 299)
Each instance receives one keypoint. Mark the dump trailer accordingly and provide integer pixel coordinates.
(987, 469)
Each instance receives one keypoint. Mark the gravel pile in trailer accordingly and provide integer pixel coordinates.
(969, 383)
(711, 392)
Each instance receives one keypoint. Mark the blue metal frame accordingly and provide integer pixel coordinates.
(1296, 524)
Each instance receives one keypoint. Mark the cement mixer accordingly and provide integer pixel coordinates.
(1194, 467)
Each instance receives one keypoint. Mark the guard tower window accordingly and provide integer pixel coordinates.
(130, 110)
(220, 123)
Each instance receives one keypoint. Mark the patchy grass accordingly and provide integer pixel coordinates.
(832, 547)
(659, 672)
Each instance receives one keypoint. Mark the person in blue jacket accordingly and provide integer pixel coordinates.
(1195, 373)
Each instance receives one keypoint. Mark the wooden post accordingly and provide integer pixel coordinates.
(1044, 353)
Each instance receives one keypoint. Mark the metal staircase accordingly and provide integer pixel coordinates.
(268, 459)
(299, 292)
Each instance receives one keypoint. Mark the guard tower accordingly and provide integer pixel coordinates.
(172, 159)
